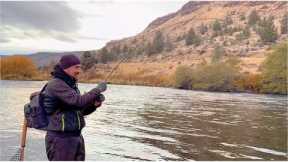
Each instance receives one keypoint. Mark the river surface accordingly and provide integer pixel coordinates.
(151, 123)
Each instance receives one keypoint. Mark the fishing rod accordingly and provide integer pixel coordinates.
(114, 68)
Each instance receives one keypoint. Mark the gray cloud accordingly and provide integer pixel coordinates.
(8, 33)
(64, 38)
(47, 16)
(3, 40)
(93, 38)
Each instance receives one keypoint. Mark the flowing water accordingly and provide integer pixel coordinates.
(151, 123)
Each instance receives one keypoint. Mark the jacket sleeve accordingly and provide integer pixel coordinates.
(68, 95)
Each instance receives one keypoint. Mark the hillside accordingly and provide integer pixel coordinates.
(215, 24)
(45, 58)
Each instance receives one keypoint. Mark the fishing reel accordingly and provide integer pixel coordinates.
(99, 99)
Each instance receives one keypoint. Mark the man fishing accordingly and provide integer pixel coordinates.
(66, 109)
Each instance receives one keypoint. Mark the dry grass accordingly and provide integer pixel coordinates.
(151, 74)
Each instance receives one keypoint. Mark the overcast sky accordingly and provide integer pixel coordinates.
(28, 27)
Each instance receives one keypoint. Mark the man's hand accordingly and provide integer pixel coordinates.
(100, 98)
(97, 104)
(102, 86)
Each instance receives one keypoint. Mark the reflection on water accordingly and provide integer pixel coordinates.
(149, 123)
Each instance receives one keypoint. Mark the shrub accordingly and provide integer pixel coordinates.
(183, 77)
(158, 42)
(284, 24)
(192, 38)
(213, 77)
(231, 30)
(228, 20)
(17, 67)
(216, 26)
(87, 60)
(253, 18)
(242, 17)
(249, 82)
(218, 52)
(267, 31)
(168, 45)
(216, 77)
(106, 56)
(275, 70)
(203, 29)
(244, 34)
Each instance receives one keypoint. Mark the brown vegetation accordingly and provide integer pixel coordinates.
(18, 68)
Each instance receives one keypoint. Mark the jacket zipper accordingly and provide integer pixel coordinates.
(78, 120)
(63, 123)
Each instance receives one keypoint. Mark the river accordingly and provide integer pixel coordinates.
(152, 123)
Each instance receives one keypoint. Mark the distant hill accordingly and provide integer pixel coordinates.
(45, 58)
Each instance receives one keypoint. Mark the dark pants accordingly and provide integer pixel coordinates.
(64, 147)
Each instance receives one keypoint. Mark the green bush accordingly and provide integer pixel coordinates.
(284, 24)
(231, 30)
(157, 45)
(106, 56)
(218, 53)
(228, 20)
(216, 77)
(275, 70)
(242, 17)
(244, 34)
(267, 30)
(192, 38)
(158, 42)
(216, 26)
(168, 45)
(183, 77)
(203, 29)
(87, 60)
(213, 77)
(253, 18)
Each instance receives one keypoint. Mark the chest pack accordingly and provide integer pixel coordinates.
(34, 111)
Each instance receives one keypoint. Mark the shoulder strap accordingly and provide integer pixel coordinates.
(41, 95)
(32, 95)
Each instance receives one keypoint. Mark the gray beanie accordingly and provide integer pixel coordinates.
(67, 61)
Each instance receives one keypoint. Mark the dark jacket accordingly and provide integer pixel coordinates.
(64, 104)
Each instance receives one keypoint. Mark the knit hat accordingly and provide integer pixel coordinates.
(67, 61)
